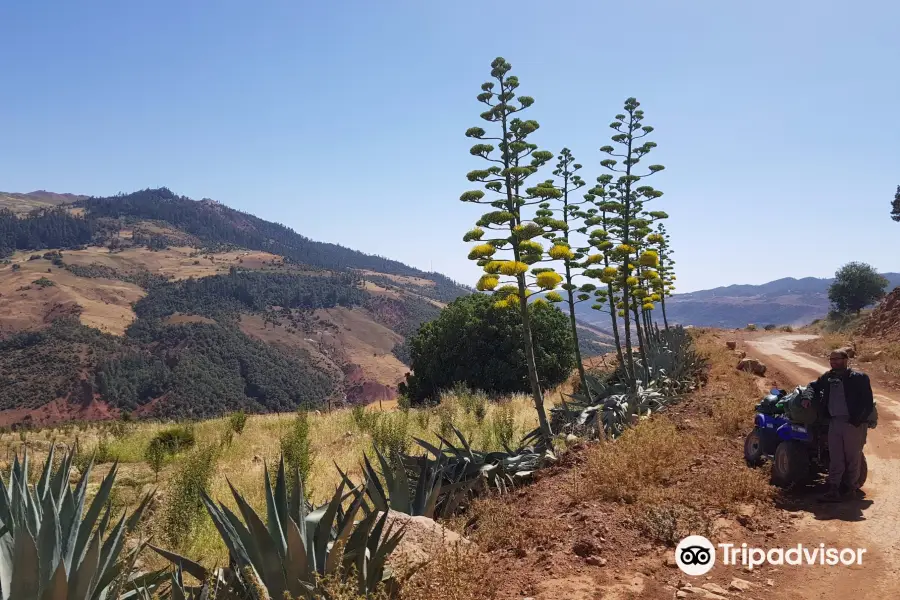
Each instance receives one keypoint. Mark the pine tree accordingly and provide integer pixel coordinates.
(505, 179)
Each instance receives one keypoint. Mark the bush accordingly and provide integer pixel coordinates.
(390, 435)
(477, 344)
(751, 327)
(185, 506)
(295, 446)
(769, 327)
(787, 329)
(175, 439)
(155, 455)
(237, 421)
(503, 425)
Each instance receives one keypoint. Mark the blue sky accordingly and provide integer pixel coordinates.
(778, 122)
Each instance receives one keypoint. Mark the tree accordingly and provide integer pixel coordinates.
(856, 285)
(475, 342)
(505, 180)
(895, 206)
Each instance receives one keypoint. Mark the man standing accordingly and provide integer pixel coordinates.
(847, 402)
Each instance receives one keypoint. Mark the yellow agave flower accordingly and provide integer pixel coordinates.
(593, 259)
(649, 258)
(610, 272)
(548, 280)
(561, 252)
(493, 267)
(648, 306)
(487, 282)
(512, 267)
(481, 251)
(632, 281)
(553, 297)
(531, 247)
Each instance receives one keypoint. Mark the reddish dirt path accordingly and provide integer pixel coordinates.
(873, 523)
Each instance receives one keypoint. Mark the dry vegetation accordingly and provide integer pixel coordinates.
(339, 437)
(674, 473)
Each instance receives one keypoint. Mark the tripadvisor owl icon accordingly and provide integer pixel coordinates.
(695, 555)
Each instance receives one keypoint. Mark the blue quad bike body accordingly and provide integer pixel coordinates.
(798, 452)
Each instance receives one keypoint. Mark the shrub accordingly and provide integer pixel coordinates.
(751, 327)
(769, 327)
(503, 425)
(175, 439)
(155, 455)
(480, 345)
(671, 523)
(237, 421)
(390, 435)
(787, 329)
(295, 446)
(184, 505)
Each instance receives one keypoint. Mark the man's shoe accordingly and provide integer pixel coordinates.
(831, 496)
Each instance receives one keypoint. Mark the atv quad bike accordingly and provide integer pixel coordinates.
(793, 437)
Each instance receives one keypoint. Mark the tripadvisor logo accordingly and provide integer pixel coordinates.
(695, 555)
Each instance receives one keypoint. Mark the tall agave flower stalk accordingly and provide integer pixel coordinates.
(50, 549)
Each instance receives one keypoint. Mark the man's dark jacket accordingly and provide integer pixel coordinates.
(857, 392)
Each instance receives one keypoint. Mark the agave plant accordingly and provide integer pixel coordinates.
(51, 550)
(294, 548)
(608, 407)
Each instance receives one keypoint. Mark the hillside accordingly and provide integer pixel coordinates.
(158, 305)
(786, 301)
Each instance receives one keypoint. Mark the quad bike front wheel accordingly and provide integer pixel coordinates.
(753, 448)
(791, 464)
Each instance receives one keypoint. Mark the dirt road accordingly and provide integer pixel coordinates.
(872, 523)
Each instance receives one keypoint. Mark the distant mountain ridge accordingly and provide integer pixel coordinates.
(787, 301)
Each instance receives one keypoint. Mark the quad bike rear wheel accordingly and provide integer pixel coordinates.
(753, 448)
(791, 464)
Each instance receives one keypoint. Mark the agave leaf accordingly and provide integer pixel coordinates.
(194, 569)
(87, 524)
(6, 515)
(72, 535)
(270, 558)
(109, 554)
(276, 531)
(319, 524)
(57, 588)
(298, 502)
(25, 568)
(297, 566)
(374, 489)
(345, 528)
(43, 485)
(59, 485)
(48, 544)
(6, 563)
(230, 536)
(281, 499)
(430, 448)
(80, 585)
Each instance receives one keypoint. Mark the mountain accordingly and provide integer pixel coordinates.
(157, 305)
(787, 301)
